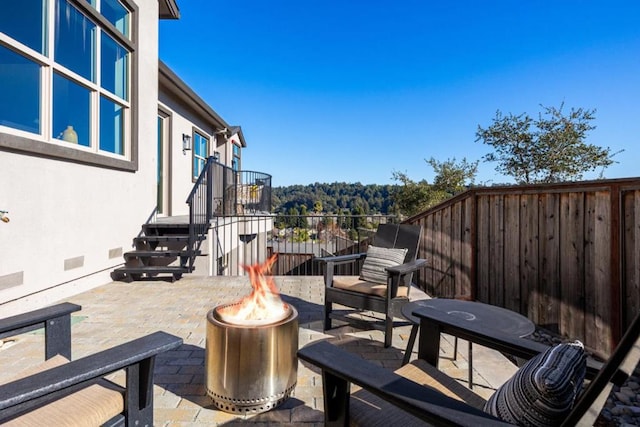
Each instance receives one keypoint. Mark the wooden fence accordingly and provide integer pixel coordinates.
(565, 255)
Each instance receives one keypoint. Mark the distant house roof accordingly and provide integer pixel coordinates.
(168, 9)
(170, 82)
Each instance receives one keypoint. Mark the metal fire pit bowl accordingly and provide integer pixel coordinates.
(251, 369)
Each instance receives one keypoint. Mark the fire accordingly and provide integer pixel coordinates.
(263, 305)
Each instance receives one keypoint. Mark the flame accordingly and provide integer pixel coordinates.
(263, 304)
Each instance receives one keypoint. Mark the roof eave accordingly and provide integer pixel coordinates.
(168, 9)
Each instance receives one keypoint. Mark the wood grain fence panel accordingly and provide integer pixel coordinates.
(529, 254)
(496, 250)
(447, 265)
(589, 270)
(512, 293)
(429, 241)
(483, 240)
(602, 267)
(456, 247)
(567, 255)
(467, 277)
(437, 254)
(549, 308)
(631, 244)
(572, 220)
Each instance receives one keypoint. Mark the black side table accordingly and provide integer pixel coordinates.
(476, 313)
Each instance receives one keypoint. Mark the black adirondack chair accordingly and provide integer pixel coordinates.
(76, 389)
(419, 393)
(351, 291)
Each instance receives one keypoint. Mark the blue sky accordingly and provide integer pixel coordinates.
(353, 90)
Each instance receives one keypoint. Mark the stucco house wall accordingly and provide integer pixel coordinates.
(70, 222)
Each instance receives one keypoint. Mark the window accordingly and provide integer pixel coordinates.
(235, 162)
(68, 63)
(200, 153)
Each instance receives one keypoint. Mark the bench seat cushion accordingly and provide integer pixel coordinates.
(356, 284)
(91, 406)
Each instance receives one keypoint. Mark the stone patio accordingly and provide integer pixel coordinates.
(117, 312)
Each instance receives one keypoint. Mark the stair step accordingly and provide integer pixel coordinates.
(152, 269)
(156, 254)
(165, 228)
(164, 238)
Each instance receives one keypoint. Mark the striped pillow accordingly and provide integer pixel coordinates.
(543, 390)
(377, 260)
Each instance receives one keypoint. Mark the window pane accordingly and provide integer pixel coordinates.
(114, 68)
(74, 40)
(20, 89)
(20, 19)
(200, 151)
(111, 126)
(116, 14)
(71, 111)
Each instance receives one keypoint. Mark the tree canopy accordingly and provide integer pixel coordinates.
(451, 178)
(551, 148)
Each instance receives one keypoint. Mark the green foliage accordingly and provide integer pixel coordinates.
(451, 178)
(549, 149)
(335, 198)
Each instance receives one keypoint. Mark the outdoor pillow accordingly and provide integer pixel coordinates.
(377, 260)
(543, 390)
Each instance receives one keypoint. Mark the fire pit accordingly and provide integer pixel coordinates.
(251, 364)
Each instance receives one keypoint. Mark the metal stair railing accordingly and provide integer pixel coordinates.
(200, 209)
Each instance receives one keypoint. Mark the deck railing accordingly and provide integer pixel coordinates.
(221, 191)
(297, 240)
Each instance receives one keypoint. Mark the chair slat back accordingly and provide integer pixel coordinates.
(400, 236)
(624, 359)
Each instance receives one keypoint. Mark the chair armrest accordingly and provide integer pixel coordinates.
(56, 321)
(423, 402)
(407, 268)
(341, 259)
(439, 321)
(137, 355)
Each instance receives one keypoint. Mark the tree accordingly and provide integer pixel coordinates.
(451, 178)
(549, 149)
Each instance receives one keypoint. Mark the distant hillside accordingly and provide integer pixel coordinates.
(371, 199)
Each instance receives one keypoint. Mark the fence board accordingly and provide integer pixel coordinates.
(529, 254)
(549, 309)
(467, 279)
(572, 220)
(631, 242)
(512, 295)
(447, 259)
(496, 250)
(483, 240)
(456, 247)
(602, 267)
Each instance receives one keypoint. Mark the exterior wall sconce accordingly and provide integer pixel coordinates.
(186, 143)
(216, 156)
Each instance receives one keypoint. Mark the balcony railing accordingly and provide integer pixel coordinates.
(297, 239)
(239, 192)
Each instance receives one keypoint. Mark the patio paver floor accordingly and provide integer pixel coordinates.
(118, 311)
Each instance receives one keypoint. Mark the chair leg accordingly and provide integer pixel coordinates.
(327, 312)
(388, 330)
